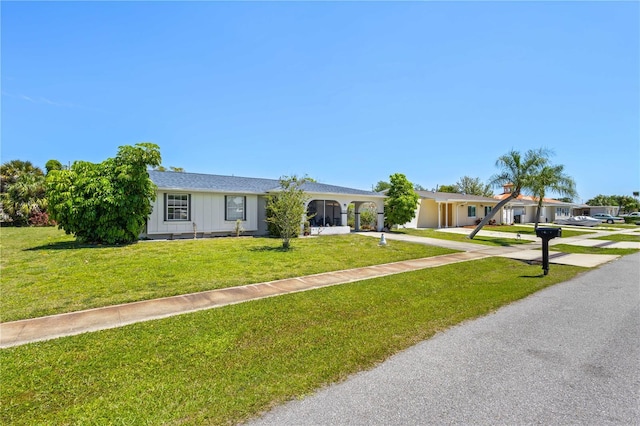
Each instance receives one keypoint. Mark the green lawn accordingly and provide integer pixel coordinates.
(432, 233)
(45, 272)
(620, 237)
(567, 248)
(225, 365)
(530, 230)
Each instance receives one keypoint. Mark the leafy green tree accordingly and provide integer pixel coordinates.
(381, 186)
(419, 187)
(473, 186)
(453, 189)
(402, 201)
(601, 200)
(625, 202)
(107, 202)
(53, 165)
(552, 178)
(162, 168)
(286, 209)
(518, 170)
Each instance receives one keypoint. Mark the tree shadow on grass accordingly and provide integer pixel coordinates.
(271, 249)
(498, 241)
(71, 245)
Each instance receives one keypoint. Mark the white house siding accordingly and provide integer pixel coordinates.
(463, 214)
(427, 215)
(207, 212)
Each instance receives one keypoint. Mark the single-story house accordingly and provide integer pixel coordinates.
(210, 205)
(446, 209)
(523, 208)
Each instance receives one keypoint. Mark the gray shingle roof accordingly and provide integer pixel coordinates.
(450, 196)
(237, 184)
(213, 183)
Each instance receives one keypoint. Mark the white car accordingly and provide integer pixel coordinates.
(632, 214)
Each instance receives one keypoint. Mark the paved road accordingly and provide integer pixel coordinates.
(566, 355)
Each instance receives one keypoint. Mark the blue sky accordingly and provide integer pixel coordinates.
(345, 92)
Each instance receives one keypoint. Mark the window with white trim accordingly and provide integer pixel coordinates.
(177, 207)
(487, 210)
(471, 211)
(235, 207)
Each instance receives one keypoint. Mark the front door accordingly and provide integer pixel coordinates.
(446, 215)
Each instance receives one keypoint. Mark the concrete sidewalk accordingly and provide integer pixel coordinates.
(44, 328)
(527, 252)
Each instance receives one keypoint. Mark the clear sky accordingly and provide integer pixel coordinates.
(345, 92)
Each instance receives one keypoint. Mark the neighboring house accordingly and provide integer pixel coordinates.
(210, 205)
(446, 209)
(523, 208)
(586, 210)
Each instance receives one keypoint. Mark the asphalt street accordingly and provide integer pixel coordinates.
(566, 355)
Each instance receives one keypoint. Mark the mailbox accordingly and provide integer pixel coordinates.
(547, 234)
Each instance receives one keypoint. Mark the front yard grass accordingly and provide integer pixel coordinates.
(223, 366)
(490, 241)
(44, 271)
(567, 248)
(530, 230)
(479, 239)
(620, 237)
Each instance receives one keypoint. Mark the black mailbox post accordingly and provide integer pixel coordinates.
(546, 234)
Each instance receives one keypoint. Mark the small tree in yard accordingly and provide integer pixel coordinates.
(107, 202)
(286, 209)
(402, 200)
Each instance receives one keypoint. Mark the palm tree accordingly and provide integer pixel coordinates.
(24, 198)
(517, 170)
(12, 170)
(551, 178)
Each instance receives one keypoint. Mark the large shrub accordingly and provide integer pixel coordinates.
(107, 202)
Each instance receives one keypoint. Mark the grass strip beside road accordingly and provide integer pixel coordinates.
(225, 365)
(567, 248)
(46, 272)
(620, 237)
